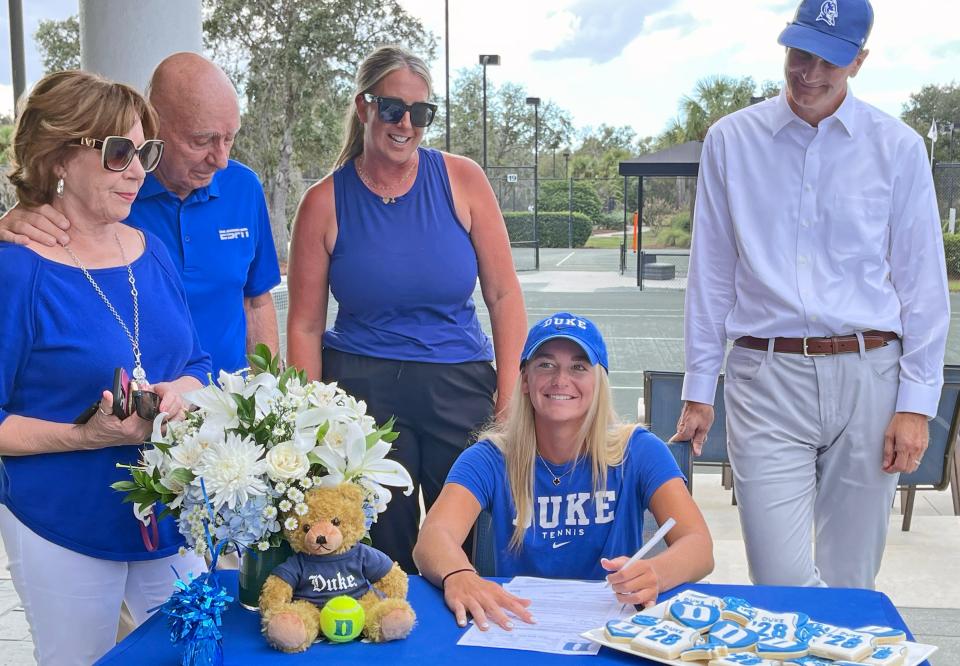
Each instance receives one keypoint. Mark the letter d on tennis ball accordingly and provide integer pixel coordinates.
(342, 619)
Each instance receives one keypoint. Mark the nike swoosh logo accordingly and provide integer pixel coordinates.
(560, 545)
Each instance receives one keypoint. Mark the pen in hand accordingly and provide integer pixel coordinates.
(645, 548)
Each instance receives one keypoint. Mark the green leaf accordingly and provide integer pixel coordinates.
(322, 431)
(314, 458)
(182, 475)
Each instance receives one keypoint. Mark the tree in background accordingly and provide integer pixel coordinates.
(294, 61)
(510, 123)
(59, 44)
(555, 195)
(936, 102)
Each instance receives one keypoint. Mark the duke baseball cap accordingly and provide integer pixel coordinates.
(835, 30)
(568, 327)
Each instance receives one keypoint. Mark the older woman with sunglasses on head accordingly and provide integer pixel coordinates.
(566, 486)
(75, 318)
(400, 234)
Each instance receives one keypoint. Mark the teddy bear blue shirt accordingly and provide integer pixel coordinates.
(320, 578)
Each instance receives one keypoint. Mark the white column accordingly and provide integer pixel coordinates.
(125, 39)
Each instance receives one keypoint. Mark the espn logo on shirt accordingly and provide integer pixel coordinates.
(233, 234)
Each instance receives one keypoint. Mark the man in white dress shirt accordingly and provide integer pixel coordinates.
(817, 249)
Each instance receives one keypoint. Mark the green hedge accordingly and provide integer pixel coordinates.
(553, 228)
(951, 248)
(555, 196)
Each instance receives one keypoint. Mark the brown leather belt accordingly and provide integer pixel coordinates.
(838, 344)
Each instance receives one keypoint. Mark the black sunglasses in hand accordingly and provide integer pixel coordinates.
(392, 109)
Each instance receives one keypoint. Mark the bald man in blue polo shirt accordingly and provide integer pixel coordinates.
(208, 210)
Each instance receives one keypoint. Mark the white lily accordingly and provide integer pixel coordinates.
(219, 407)
(356, 460)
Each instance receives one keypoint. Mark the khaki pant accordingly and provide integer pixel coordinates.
(806, 446)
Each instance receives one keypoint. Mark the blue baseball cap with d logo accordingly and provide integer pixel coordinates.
(835, 30)
(569, 327)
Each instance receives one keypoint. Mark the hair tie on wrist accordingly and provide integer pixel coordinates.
(443, 581)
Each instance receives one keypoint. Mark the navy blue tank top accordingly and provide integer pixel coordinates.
(403, 273)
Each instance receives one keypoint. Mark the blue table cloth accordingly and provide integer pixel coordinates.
(434, 638)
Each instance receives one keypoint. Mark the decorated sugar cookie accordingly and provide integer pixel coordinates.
(696, 616)
(842, 644)
(739, 610)
(644, 620)
(621, 631)
(884, 635)
(887, 655)
(782, 648)
(742, 659)
(735, 637)
(694, 597)
(709, 649)
(810, 660)
(812, 629)
(768, 624)
(665, 640)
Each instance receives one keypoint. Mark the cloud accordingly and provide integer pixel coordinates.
(946, 50)
(603, 28)
(686, 23)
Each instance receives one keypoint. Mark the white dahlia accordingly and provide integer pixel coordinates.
(232, 471)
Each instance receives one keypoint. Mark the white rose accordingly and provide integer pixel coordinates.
(284, 461)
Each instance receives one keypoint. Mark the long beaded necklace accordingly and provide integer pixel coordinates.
(139, 373)
(556, 479)
(376, 187)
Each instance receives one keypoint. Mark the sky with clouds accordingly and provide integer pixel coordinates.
(628, 62)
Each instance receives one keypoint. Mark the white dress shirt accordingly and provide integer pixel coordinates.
(816, 231)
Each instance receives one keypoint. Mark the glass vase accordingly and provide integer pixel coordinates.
(255, 566)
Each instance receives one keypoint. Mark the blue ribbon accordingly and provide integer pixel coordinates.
(195, 609)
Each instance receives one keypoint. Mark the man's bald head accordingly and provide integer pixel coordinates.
(199, 117)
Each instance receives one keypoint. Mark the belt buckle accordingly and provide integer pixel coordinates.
(807, 353)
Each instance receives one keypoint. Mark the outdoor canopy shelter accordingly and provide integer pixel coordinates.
(682, 160)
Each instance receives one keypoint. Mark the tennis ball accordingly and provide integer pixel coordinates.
(341, 619)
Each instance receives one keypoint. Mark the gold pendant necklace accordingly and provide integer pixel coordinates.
(376, 187)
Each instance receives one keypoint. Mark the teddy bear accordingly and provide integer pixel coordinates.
(329, 561)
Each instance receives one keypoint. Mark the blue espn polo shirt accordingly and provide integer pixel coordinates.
(219, 239)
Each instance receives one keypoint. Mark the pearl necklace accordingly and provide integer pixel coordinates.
(376, 187)
(139, 373)
(556, 479)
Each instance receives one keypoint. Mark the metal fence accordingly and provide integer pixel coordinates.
(946, 181)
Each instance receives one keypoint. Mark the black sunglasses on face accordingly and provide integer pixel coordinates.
(391, 110)
(117, 152)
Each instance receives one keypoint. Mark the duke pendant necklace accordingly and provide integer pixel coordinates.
(139, 374)
(556, 479)
(376, 187)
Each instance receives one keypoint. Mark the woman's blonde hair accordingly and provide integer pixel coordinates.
(64, 106)
(603, 442)
(372, 70)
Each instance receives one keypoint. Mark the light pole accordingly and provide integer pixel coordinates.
(486, 60)
(566, 175)
(535, 102)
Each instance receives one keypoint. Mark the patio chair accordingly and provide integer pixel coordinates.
(940, 460)
(661, 409)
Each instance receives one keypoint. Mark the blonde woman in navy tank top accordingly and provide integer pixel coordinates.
(400, 234)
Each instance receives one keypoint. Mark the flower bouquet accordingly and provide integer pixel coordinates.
(252, 447)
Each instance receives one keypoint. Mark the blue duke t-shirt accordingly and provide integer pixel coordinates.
(573, 525)
(320, 578)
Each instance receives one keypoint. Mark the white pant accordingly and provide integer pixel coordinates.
(72, 601)
(805, 438)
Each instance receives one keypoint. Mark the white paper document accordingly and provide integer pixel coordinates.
(563, 609)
